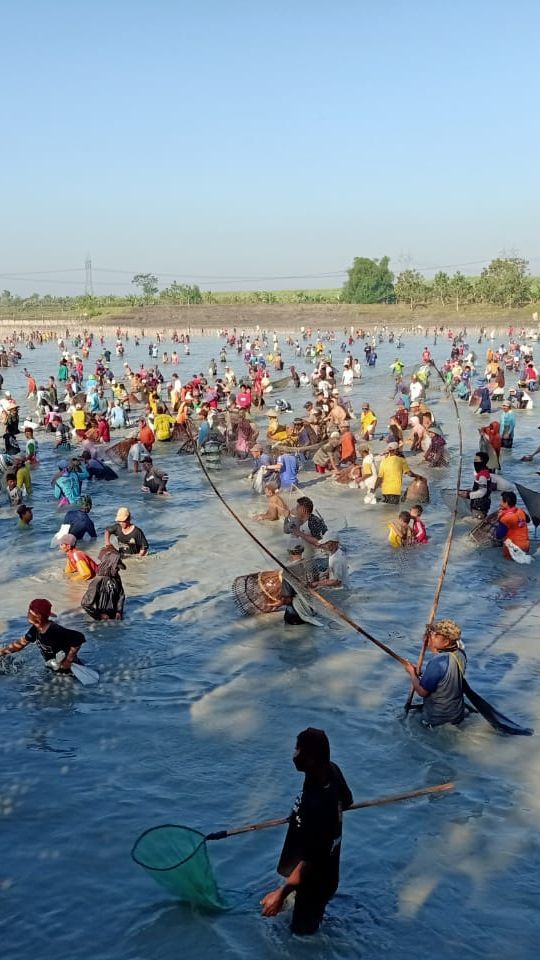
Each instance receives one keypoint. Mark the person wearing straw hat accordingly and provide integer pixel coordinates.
(441, 682)
(50, 637)
(310, 856)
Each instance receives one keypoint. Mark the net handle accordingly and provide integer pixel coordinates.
(361, 805)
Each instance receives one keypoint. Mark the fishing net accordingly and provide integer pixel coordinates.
(177, 859)
(257, 593)
(483, 535)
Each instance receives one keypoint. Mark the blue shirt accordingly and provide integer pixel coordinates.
(80, 523)
(508, 423)
(434, 672)
(289, 469)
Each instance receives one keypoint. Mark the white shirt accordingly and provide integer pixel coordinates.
(416, 390)
(338, 568)
(348, 377)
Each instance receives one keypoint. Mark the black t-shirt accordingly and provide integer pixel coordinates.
(54, 639)
(129, 543)
(314, 833)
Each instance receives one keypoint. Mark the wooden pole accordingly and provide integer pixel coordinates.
(446, 554)
(361, 805)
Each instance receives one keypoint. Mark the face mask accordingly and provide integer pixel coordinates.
(478, 465)
(299, 763)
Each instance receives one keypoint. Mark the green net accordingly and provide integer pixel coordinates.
(176, 857)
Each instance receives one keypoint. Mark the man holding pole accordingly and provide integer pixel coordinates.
(441, 682)
(310, 857)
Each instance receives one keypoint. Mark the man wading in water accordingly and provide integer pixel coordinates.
(310, 856)
(441, 682)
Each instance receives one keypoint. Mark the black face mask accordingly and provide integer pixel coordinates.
(299, 763)
(478, 465)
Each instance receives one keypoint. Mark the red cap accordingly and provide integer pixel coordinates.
(42, 608)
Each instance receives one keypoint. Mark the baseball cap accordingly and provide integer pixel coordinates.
(122, 514)
(41, 607)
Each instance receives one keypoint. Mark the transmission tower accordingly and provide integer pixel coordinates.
(88, 284)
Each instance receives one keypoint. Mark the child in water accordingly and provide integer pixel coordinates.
(419, 532)
(399, 532)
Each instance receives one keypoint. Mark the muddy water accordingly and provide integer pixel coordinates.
(196, 714)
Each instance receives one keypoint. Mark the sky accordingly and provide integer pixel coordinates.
(264, 145)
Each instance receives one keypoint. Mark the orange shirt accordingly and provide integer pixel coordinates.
(146, 436)
(515, 519)
(348, 446)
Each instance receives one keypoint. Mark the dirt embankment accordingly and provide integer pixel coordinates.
(210, 318)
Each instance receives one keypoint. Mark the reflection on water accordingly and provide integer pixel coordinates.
(195, 717)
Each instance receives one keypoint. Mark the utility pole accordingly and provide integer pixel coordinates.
(88, 284)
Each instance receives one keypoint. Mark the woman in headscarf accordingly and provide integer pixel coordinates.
(490, 443)
(67, 486)
(485, 401)
(105, 597)
(436, 454)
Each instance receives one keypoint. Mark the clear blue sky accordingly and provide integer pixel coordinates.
(236, 140)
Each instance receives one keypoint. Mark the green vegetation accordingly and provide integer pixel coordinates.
(504, 284)
(370, 281)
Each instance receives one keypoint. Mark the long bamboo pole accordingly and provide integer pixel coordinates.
(361, 805)
(446, 554)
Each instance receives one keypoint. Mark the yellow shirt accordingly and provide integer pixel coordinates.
(162, 426)
(367, 419)
(391, 473)
(79, 419)
(24, 478)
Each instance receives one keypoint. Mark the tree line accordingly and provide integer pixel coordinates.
(505, 282)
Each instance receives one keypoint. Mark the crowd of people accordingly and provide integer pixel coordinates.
(76, 412)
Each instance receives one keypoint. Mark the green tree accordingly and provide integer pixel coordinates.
(441, 287)
(506, 282)
(462, 290)
(411, 288)
(147, 282)
(182, 293)
(370, 281)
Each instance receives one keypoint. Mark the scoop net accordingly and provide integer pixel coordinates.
(176, 857)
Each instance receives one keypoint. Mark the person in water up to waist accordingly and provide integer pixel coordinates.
(154, 480)
(480, 493)
(50, 637)
(311, 852)
(512, 524)
(131, 539)
(79, 566)
(163, 425)
(79, 520)
(441, 682)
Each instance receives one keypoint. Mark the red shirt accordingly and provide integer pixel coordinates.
(103, 431)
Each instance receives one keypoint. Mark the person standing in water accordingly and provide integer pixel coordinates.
(50, 637)
(310, 857)
(441, 683)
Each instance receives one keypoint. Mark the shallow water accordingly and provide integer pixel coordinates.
(196, 714)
